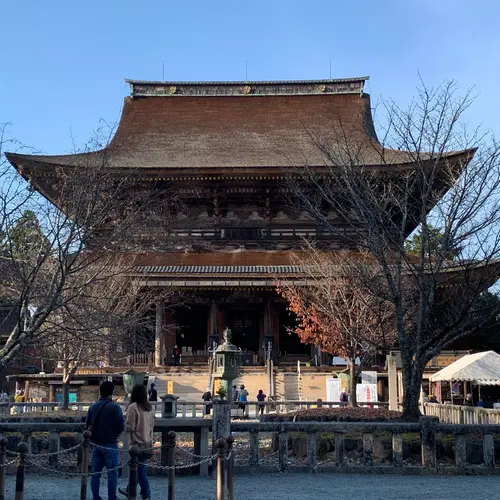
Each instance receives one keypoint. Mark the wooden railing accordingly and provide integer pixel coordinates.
(250, 457)
(454, 414)
(186, 409)
(427, 428)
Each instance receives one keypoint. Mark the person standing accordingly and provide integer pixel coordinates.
(177, 356)
(153, 393)
(243, 398)
(261, 397)
(139, 423)
(105, 422)
(207, 397)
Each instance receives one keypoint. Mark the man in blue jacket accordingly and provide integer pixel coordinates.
(105, 422)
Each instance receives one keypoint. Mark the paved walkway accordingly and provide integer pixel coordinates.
(290, 487)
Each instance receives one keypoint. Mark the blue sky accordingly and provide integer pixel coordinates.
(63, 63)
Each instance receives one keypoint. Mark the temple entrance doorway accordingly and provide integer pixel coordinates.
(191, 330)
(244, 323)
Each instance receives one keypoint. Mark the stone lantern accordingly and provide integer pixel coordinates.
(131, 378)
(227, 362)
(169, 406)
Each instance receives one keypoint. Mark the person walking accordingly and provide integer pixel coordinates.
(105, 422)
(243, 398)
(261, 397)
(153, 393)
(139, 423)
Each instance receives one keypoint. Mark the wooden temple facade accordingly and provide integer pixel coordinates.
(227, 150)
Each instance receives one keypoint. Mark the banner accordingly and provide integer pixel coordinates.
(333, 389)
(366, 393)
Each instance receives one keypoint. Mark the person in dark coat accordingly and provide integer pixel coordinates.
(105, 422)
(207, 396)
(153, 393)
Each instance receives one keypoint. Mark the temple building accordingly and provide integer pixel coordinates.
(227, 149)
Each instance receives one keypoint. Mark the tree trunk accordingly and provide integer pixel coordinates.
(353, 400)
(65, 393)
(412, 376)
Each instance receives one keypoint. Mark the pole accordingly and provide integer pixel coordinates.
(3, 457)
(230, 466)
(171, 463)
(85, 465)
(22, 449)
(221, 447)
(132, 475)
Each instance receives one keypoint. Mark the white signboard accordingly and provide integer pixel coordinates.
(333, 389)
(366, 393)
(368, 377)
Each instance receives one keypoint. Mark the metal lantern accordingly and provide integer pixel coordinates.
(131, 378)
(227, 362)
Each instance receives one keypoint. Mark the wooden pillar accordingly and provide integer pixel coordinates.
(221, 323)
(52, 393)
(393, 382)
(275, 328)
(26, 390)
(159, 333)
(170, 335)
(213, 335)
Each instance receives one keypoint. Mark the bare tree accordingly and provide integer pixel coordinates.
(77, 282)
(335, 314)
(430, 170)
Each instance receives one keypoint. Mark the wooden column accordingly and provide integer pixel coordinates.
(26, 390)
(213, 335)
(275, 328)
(170, 335)
(52, 393)
(221, 323)
(159, 333)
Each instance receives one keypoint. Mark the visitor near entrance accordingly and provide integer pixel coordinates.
(177, 356)
(153, 393)
(105, 422)
(140, 425)
(207, 396)
(261, 397)
(243, 398)
(235, 393)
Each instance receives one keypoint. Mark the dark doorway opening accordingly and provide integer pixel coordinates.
(244, 324)
(289, 341)
(192, 324)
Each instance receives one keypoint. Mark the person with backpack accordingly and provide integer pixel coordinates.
(243, 398)
(139, 423)
(105, 422)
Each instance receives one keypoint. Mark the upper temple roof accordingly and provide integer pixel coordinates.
(201, 127)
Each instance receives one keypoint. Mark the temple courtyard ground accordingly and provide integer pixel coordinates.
(292, 486)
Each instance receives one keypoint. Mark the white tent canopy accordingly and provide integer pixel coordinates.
(482, 368)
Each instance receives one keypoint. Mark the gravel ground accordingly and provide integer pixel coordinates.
(294, 486)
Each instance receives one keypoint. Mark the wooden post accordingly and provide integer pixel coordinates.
(3, 457)
(22, 449)
(230, 467)
(397, 449)
(311, 450)
(488, 450)
(221, 448)
(339, 447)
(54, 441)
(393, 382)
(460, 450)
(428, 440)
(171, 463)
(132, 476)
(159, 333)
(368, 449)
(254, 449)
(283, 449)
(85, 465)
